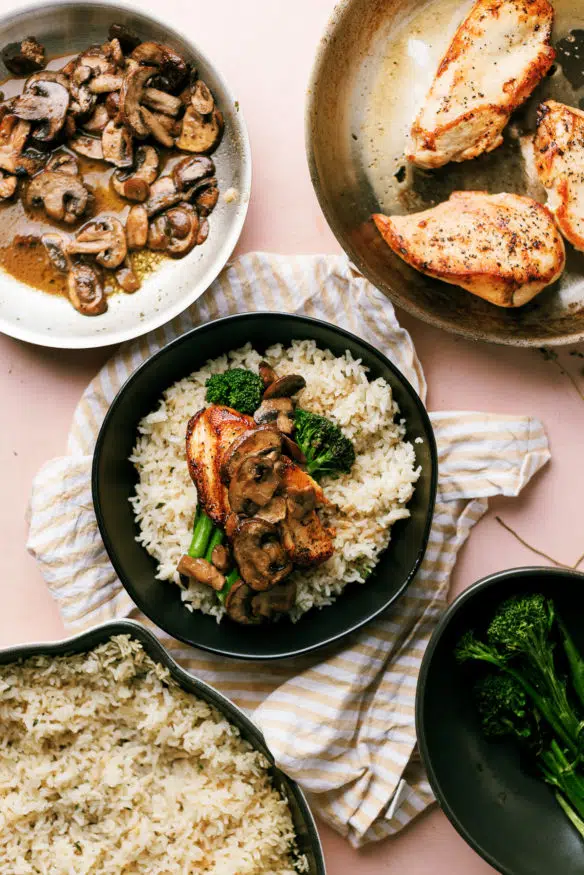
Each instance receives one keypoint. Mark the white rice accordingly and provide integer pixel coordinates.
(365, 503)
(107, 766)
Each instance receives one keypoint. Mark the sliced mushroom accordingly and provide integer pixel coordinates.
(206, 200)
(82, 101)
(8, 185)
(13, 134)
(261, 442)
(157, 128)
(192, 170)
(126, 278)
(163, 194)
(89, 147)
(31, 161)
(253, 485)
(277, 600)
(135, 184)
(117, 146)
(63, 162)
(200, 133)
(238, 604)
(170, 66)
(259, 554)
(85, 290)
(285, 387)
(64, 197)
(162, 102)
(45, 101)
(158, 231)
(127, 38)
(279, 411)
(112, 104)
(105, 238)
(203, 231)
(201, 98)
(267, 374)
(56, 247)
(105, 83)
(274, 511)
(130, 99)
(201, 571)
(184, 230)
(97, 122)
(137, 227)
(221, 558)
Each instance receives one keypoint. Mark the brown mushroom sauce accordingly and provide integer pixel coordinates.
(22, 253)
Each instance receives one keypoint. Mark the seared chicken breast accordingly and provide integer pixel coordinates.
(559, 160)
(210, 433)
(498, 55)
(504, 248)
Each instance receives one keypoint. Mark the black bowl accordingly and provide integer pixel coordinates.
(508, 815)
(114, 480)
(308, 841)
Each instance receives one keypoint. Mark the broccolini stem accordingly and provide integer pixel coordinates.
(560, 773)
(216, 539)
(202, 528)
(575, 661)
(231, 578)
(576, 821)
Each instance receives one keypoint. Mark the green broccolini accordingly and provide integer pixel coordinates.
(525, 696)
(327, 450)
(237, 388)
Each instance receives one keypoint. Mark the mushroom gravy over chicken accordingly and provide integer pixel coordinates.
(104, 166)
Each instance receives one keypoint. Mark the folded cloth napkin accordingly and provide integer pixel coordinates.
(341, 724)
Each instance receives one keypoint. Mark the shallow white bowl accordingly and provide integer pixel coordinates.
(31, 315)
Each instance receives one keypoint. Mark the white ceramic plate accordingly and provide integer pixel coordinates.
(31, 315)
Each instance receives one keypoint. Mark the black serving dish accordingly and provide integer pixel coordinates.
(506, 813)
(308, 841)
(114, 480)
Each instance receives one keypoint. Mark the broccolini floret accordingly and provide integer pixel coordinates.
(237, 388)
(327, 450)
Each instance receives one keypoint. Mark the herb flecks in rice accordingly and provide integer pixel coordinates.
(364, 503)
(108, 766)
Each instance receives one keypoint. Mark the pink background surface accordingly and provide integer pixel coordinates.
(265, 49)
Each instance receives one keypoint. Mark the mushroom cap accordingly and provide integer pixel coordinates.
(184, 230)
(88, 146)
(109, 238)
(238, 604)
(201, 98)
(163, 194)
(170, 65)
(134, 183)
(285, 387)
(200, 133)
(253, 485)
(206, 199)
(86, 290)
(259, 554)
(261, 442)
(133, 85)
(63, 196)
(191, 170)
(127, 279)
(56, 247)
(45, 100)
(63, 162)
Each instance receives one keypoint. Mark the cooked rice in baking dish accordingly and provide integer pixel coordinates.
(364, 503)
(108, 766)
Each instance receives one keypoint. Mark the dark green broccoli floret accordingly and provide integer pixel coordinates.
(327, 450)
(238, 388)
(522, 623)
(504, 707)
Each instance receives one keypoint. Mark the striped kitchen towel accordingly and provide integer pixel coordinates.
(340, 724)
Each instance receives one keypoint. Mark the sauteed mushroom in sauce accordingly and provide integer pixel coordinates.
(90, 174)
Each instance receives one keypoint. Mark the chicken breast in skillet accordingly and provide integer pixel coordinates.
(504, 248)
(498, 55)
(559, 160)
